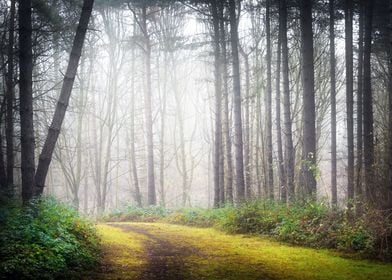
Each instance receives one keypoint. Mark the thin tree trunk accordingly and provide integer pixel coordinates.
(332, 62)
(348, 11)
(358, 190)
(269, 106)
(10, 100)
(389, 190)
(368, 103)
(239, 160)
(218, 105)
(26, 100)
(282, 177)
(309, 162)
(289, 148)
(58, 117)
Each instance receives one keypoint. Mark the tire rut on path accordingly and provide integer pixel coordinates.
(165, 259)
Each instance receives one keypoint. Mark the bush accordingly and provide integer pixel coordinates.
(45, 240)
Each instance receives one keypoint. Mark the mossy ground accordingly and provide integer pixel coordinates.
(222, 256)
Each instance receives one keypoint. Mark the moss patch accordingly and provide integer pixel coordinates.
(223, 256)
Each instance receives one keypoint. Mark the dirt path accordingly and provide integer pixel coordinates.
(164, 260)
(155, 251)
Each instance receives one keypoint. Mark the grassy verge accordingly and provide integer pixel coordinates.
(311, 224)
(215, 255)
(45, 240)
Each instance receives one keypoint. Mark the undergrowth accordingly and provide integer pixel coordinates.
(45, 240)
(312, 224)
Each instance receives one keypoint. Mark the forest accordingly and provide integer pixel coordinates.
(196, 139)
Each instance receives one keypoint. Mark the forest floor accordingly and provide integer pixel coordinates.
(156, 251)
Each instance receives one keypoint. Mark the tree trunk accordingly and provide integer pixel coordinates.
(26, 100)
(332, 62)
(269, 107)
(348, 19)
(358, 190)
(308, 180)
(218, 105)
(151, 198)
(389, 190)
(226, 118)
(58, 117)
(239, 160)
(282, 177)
(289, 148)
(368, 103)
(10, 101)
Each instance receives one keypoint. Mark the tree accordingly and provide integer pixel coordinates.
(368, 102)
(308, 172)
(269, 106)
(10, 99)
(239, 160)
(26, 100)
(65, 94)
(348, 19)
(332, 62)
(288, 136)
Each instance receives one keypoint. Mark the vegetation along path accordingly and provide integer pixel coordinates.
(164, 251)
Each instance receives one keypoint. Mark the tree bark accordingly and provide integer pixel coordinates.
(239, 160)
(289, 148)
(10, 100)
(348, 19)
(269, 107)
(58, 117)
(26, 100)
(309, 167)
(358, 190)
(332, 61)
(389, 190)
(368, 103)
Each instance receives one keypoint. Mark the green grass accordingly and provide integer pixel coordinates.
(225, 256)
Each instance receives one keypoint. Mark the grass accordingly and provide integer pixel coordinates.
(225, 256)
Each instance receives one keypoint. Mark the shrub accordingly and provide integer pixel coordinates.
(45, 240)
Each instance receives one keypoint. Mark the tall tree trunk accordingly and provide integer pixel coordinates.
(162, 140)
(348, 19)
(226, 118)
(289, 147)
(368, 103)
(282, 177)
(151, 197)
(358, 190)
(26, 100)
(65, 94)
(239, 160)
(309, 162)
(10, 100)
(332, 62)
(269, 106)
(389, 190)
(218, 105)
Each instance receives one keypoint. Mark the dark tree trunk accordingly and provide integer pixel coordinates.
(389, 191)
(332, 62)
(289, 148)
(348, 11)
(65, 94)
(26, 100)
(368, 103)
(282, 177)
(308, 180)
(10, 100)
(238, 144)
(358, 190)
(269, 107)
